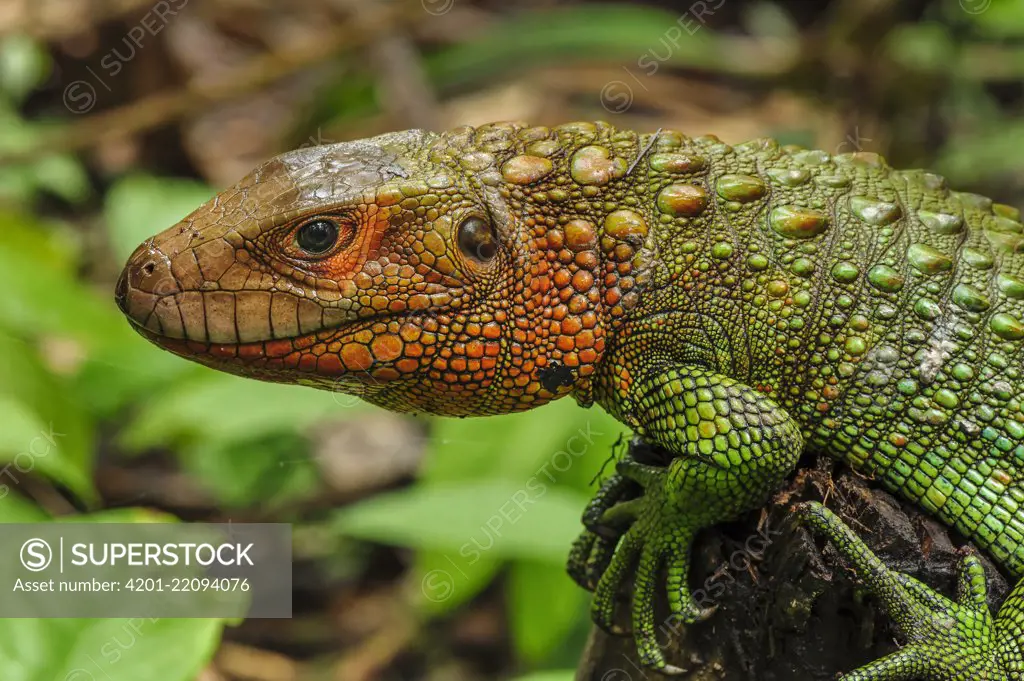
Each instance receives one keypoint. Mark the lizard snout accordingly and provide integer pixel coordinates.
(146, 290)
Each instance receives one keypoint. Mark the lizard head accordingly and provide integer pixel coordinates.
(401, 269)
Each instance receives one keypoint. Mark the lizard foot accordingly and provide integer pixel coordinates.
(659, 537)
(709, 448)
(947, 640)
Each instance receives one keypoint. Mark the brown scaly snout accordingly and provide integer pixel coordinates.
(183, 286)
(262, 278)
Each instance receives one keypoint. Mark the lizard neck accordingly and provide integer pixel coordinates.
(587, 248)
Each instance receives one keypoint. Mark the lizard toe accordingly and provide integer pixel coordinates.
(579, 557)
(614, 490)
(681, 601)
(646, 475)
(600, 557)
(903, 665)
(971, 589)
(645, 585)
(589, 558)
(602, 608)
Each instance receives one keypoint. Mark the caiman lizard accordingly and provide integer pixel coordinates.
(733, 305)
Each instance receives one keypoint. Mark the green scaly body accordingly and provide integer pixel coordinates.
(880, 309)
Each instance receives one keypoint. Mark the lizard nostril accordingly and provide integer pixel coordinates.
(148, 268)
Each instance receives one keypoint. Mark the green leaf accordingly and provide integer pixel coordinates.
(52, 245)
(16, 134)
(43, 296)
(139, 206)
(621, 34)
(16, 186)
(545, 607)
(243, 439)
(539, 451)
(38, 300)
(215, 407)
(266, 471)
(925, 47)
(15, 508)
(444, 580)
(770, 20)
(24, 64)
(139, 649)
(542, 444)
(49, 431)
(474, 519)
(127, 514)
(128, 369)
(598, 434)
(62, 175)
(611, 33)
(29, 446)
(1000, 18)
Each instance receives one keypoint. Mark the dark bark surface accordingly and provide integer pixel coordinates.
(787, 606)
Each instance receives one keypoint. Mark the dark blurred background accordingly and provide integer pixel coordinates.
(424, 549)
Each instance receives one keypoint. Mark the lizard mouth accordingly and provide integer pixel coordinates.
(282, 337)
(335, 355)
(278, 331)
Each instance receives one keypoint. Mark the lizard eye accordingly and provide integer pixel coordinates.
(477, 239)
(318, 236)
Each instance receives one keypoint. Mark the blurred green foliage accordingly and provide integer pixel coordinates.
(498, 498)
(498, 492)
(23, 66)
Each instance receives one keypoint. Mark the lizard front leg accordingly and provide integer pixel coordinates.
(731, 447)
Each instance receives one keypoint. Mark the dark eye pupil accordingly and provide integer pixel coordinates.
(477, 239)
(317, 236)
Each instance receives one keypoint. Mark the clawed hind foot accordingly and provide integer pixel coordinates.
(946, 640)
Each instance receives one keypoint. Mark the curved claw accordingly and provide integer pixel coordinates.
(644, 628)
(593, 549)
(657, 536)
(721, 447)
